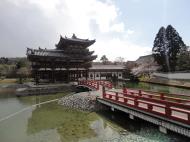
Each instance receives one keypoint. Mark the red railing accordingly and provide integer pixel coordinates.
(90, 83)
(95, 84)
(172, 110)
(106, 84)
(180, 98)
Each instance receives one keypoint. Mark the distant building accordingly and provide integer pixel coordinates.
(105, 72)
(145, 65)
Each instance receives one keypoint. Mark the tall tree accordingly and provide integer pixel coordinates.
(175, 46)
(160, 49)
(167, 46)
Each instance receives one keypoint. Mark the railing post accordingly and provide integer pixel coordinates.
(103, 92)
(97, 85)
(135, 101)
(188, 115)
(140, 93)
(162, 96)
(168, 111)
(150, 107)
(124, 90)
(116, 96)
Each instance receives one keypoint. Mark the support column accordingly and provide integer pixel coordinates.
(94, 75)
(112, 108)
(77, 74)
(36, 76)
(100, 75)
(86, 74)
(67, 75)
(131, 116)
(53, 75)
(162, 129)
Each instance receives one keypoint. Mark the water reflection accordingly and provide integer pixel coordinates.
(50, 135)
(103, 131)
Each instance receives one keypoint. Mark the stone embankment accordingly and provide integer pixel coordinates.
(169, 82)
(44, 89)
(83, 101)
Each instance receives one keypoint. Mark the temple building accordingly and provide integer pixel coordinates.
(71, 60)
(63, 62)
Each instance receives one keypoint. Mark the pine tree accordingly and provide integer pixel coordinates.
(160, 49)
(167, 47)
(175, 46)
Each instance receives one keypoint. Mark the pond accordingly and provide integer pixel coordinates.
(155, 87)
(23, 121)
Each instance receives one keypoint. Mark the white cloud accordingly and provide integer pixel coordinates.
(80, 13)
(116, 47)
(40, 22)
(117, 27)
(129, 32)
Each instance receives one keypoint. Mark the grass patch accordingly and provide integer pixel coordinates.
(6, 81)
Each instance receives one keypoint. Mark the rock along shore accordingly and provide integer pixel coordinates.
(85, 101)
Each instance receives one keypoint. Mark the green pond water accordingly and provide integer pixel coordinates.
(155, 87)
(51, 122)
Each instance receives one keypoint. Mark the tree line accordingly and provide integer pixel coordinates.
(14, 68)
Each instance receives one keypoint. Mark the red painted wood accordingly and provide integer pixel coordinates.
(150, 104)
(162, 96)
(148, 98)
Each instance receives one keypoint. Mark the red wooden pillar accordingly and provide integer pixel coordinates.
(140, 93)
(168, 111)
(150, 107)
(103, 92)
(116, 96)
(188, 118)
(98, 86)
(125, 91)
(136, 101)
(162, 96)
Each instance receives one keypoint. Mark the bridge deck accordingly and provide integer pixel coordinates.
(162, 108)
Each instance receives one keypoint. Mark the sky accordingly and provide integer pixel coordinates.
(122, 28)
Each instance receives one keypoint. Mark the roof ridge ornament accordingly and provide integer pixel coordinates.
(74, 36)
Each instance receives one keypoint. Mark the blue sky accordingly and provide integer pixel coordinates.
(125, 28)
(147, 16)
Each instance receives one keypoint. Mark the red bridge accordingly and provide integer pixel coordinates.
(168, 111)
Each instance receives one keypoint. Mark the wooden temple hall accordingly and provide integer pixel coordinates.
(69, 61)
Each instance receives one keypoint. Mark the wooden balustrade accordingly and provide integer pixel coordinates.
(161, 96)
(95, 84)
(160, 104)
(161, 107)
(106, 84)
